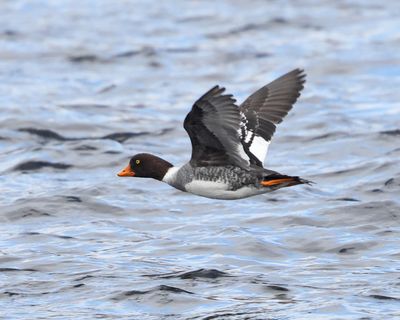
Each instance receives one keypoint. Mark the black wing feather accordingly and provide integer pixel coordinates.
(264, 109)
(213, 125)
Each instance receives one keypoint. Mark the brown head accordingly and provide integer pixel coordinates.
(145, 165)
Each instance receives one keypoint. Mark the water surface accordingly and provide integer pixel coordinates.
(86, 85)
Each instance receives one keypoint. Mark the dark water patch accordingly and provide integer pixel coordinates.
(123, 136)
(384, 232)
(155, 64)
(328, 136)
(194, 18)
(117, 136)
(204, 273)
(9, 33)
(377, 214)
(17, 270)
(147, 51)
(181, 50)
(47, 235)
(112, 152)
(32, 233)
(392, 182)
(27, 212)
(236, 31)
(389, 182)
(229, 315)
(247, 27)
(60, 236)
(37, 165)
(260, 55)
(85, 148)
(279, 20)
(382, 297)
(346, 172)
(278, 288)
(377, 190)
(107, 88)
(88, 276)
(11, 294)
(393, 151)
(78, 285)
(248, 54)
(44, 133)
(127, 54)
(346, 250)
(86, 106)
(347, 199)
(158, 289)
(136, 106)
(84, 58)
(395, 132)
(172, 289)
(310, 26)
(200, 273)
(50, 135)
(72, 198)
(35, 213)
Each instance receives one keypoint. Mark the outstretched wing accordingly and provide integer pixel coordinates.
(264, 109)
(213, 127)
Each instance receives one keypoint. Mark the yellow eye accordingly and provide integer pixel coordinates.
(137, 161)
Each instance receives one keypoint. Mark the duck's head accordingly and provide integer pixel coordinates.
(145, 165)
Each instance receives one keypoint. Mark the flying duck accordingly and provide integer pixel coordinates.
(229, 144)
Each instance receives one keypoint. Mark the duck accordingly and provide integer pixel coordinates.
(229, 144)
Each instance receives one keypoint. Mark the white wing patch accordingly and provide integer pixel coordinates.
(259, 147)
(242, 153)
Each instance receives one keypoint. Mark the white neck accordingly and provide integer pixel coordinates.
(170, 176)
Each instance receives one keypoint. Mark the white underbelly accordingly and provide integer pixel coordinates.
(219, 190)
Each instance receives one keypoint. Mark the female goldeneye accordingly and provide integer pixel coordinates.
(229, 144)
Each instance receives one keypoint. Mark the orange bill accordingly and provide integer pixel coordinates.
(275, 182)
(126, 172)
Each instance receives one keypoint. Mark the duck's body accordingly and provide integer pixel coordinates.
(218, 182)
(228, 182)
(229, 144)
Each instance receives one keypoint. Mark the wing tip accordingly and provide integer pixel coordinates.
(216, 94)
(213, 92)
(300, 74)
(216, 90)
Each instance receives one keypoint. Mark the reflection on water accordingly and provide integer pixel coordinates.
(85, 87)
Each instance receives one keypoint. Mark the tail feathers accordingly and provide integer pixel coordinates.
(283, 181)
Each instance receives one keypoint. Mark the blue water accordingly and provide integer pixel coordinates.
(85, 85)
